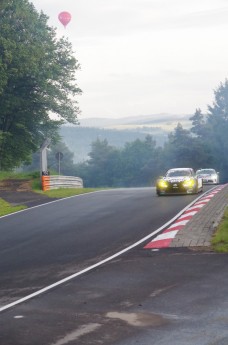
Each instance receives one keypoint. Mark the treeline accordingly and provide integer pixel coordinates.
(141, 161)
(78, 138)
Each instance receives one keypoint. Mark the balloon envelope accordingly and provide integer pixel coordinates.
(64, 18)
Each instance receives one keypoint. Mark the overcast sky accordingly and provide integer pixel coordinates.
(143, 57)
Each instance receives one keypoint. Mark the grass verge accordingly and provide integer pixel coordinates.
(220, 240)
(5, 175)
(66, 192)
(6, 208)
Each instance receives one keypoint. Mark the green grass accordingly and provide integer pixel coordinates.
(66, 192)
(6, 208)
(5, 175)
(220, 240)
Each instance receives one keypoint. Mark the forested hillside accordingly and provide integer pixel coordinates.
(139, 162)
(112, 162)
(79, 139)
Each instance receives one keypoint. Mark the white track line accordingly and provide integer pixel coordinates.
(54, 201)
(62, 281)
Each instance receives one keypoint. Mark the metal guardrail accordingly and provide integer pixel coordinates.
(58, 181)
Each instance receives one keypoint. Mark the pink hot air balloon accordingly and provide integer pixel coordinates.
(64, 18)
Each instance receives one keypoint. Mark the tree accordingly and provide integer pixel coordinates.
(184, 150)
(177, 149)
(103, 165)
(217, 120)
(140, 162)
(37, 78)
(198, 123)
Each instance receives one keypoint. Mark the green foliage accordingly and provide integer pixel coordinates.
(206, 144)
(220, 239)
(18, 175)
(6, 208)
(217, 138)
(134, 165)
(184, 150)
(103, 164)
(198, 123)
(37, 76)
(139, 162)
(177, 151)
(211, 131)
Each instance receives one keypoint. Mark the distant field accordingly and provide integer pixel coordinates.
(162, 126)
(155, 120)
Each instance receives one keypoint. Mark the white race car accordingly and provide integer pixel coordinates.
(209, 176)
(179, 181)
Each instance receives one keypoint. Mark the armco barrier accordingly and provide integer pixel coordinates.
(56, 181)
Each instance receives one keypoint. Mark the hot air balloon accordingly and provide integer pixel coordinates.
(64, 18)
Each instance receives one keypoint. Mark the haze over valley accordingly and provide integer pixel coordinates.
(119, 131)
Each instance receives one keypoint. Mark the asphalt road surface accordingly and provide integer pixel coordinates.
(141, 297)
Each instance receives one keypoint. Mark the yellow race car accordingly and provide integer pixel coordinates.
(179, 181)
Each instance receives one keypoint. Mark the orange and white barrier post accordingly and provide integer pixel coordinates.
(45, 183)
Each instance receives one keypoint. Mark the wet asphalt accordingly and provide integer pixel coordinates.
(175, 295)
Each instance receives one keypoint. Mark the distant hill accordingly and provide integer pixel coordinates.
(79, 139)
(134, 121)
(118, 131)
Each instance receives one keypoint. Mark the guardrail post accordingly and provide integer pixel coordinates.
(45, 182)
